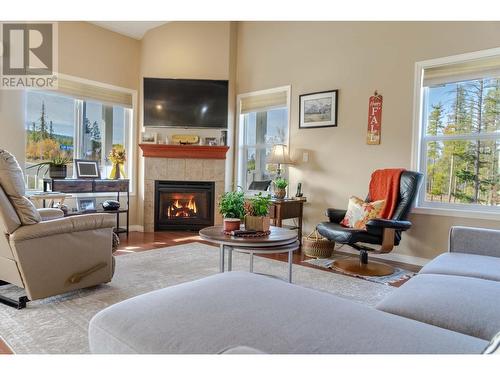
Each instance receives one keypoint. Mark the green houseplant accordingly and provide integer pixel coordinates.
(58, 166)
(257, 213)
(280, 185)
(232, 208)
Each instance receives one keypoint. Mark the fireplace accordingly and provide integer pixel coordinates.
(184, 205)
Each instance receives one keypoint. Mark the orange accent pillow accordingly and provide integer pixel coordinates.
(360, 212)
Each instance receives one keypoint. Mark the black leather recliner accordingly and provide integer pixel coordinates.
(383, 232)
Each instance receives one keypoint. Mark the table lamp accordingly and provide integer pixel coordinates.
(279, 155)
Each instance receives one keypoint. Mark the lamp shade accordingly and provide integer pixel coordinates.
(279, 155)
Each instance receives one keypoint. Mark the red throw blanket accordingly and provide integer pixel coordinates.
(384, 184)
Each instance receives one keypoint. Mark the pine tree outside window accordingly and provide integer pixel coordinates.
(459, 140)
(59, 125)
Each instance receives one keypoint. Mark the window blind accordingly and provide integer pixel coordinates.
(263, 102)
(80, 90)
(476, 69)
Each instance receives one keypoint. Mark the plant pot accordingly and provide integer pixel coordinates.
(280, 193)
(257, 223)
(58, 171)
(231, 224)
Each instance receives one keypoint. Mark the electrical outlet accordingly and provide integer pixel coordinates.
(305, 157)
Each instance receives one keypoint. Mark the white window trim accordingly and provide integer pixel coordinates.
(417, 159)
(239, 125)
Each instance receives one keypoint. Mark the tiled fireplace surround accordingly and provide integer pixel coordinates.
(179, 169)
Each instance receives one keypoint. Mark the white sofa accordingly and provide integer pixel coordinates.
(242, 312)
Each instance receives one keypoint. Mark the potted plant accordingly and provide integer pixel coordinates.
(232, 208)
(58, 166)
(257, 213)
(280, 185)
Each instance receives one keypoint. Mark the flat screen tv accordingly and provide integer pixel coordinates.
(185, 103)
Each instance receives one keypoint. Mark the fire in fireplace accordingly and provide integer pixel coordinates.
(184, 205)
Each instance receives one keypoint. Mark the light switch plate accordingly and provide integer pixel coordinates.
(305, 157)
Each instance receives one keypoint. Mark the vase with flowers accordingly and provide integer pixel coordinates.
(118, 157)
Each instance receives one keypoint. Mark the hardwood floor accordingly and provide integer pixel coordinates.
(138, 241)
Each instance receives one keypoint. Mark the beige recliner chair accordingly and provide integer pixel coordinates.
(42, 251)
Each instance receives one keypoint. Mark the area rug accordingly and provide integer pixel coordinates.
(395, 279)
(59, 324)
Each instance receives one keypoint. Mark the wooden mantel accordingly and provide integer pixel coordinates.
(183, 151)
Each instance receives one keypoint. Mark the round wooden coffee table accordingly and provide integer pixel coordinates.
(280, 240)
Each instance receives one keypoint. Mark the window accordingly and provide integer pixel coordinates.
(460, 136)
(61, 126)
(263, 123)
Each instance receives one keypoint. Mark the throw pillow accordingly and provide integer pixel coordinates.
(359, 212)
(494, 345)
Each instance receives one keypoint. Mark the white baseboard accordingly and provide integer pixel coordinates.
(136, 228)
(409, 259)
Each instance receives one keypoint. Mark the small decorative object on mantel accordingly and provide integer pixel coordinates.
(150, 138)
(210, 141)
(257, 213)
(232, 208)
(185, 139)
(374, 119)
(318, 109)
(280, 185)
(223, 138)
(118, 157)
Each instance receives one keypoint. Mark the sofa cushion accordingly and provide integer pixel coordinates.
(461, 264)
(12, 182)
(8, 216)
(462, 304)
(243, 309)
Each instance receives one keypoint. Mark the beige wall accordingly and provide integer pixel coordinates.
(196, 50)
(12, 133)
(356, 58)
(94, 53)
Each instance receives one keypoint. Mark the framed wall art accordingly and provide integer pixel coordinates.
(318, 109)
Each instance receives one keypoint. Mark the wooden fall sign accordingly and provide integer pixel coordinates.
(374, 119)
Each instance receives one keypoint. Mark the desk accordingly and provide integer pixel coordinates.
(283, 209)
(68, 185)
